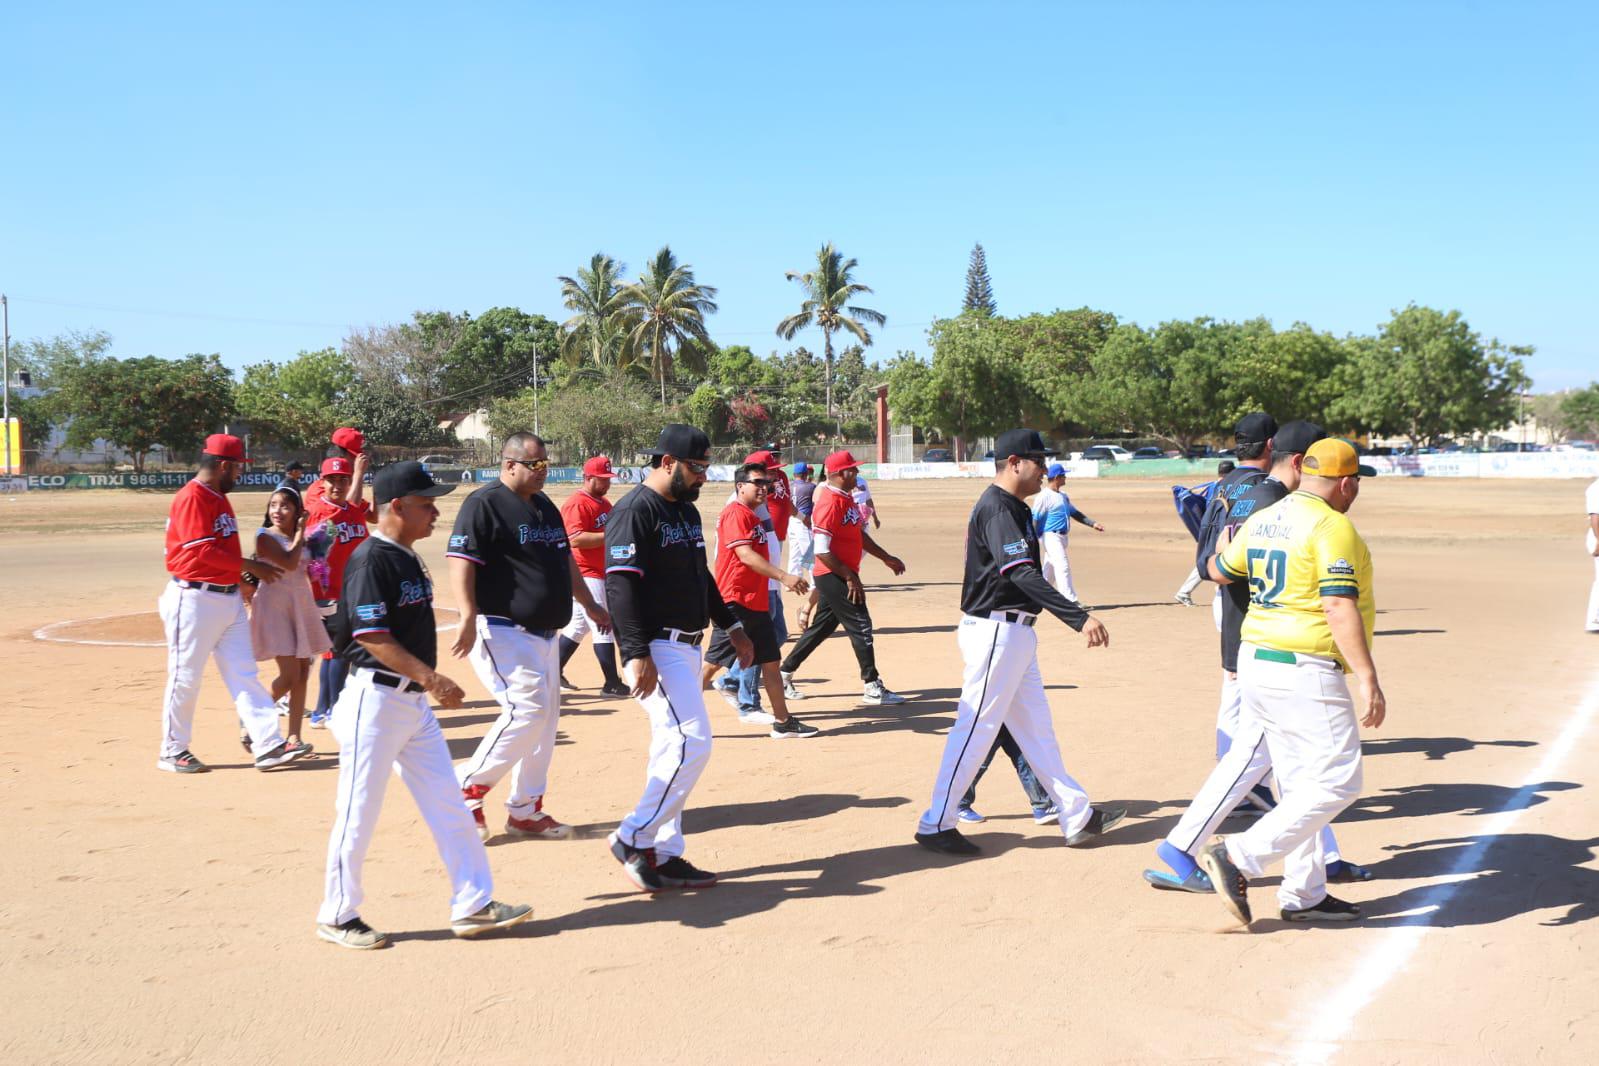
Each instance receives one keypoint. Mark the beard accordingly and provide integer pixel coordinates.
(682, 489)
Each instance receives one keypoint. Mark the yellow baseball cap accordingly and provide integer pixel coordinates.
(1335, 457)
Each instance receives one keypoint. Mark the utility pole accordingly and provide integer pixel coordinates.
(5, 380)
(536, 390)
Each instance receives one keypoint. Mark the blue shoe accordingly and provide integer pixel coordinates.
(318, 721)
(1196, 881)
(1344, 872)
(966, 814)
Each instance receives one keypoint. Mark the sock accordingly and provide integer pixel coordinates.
(568, 646)
(1181, 863)
(606, 654)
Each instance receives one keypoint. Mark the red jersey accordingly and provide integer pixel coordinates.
(349, 530)
(836, 515)
(583, 513)
(203, 536)
(734, 580)
(779, 503)
(317, 493)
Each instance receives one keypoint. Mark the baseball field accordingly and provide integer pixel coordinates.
(154, 918)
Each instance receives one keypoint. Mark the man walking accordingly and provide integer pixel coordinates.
(384, 724)
(1593, 550)
(1002, 593)
(1053, 515)
(662, 597)
(841, 541)
(203, 615)
(585, 513)
(1311, 621)
(515, 579)
(802, 547)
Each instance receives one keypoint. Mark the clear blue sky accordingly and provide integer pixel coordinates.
(296, 170)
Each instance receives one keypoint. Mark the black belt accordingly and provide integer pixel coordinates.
(226, 590)
(1017, 617)
(506, 623)
(679, 636)
(404, 684)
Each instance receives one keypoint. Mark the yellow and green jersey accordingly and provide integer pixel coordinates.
(1292, 555)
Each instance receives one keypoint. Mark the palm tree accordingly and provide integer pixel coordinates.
(666, 310)
(598, 332)
(828, 292)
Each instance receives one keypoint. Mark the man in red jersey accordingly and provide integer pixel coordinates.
(340, 508)
(780, 509)
(203, 614)
(841, 541)
(347, 443)
(584, 514)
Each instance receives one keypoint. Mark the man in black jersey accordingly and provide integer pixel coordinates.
(1001, 596)
(383, 723)
(515, 578)
(662, 597)
(1242, 759)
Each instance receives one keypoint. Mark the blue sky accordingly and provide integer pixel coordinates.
(293, 170)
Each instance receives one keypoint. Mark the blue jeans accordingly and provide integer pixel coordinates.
(747, 679)
(1036, 796)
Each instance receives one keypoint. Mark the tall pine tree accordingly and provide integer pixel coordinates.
(979, 289)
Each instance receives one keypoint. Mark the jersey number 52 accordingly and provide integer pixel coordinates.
(1266, 581)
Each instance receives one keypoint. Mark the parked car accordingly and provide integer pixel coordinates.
(1201, 451)
(1149, 453)
(432, 462)
(938, 455)
(1107, 453)
(1518, 446)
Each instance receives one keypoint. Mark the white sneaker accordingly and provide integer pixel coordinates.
(789, 691)
(1185, 599)
(730, 697)
(877, 693)
(756, 718)
(283, 704)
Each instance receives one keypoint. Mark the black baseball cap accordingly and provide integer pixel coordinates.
(1257, 428)
(1295, 438)
(405, 479)
(683, 442)
(1023, 442)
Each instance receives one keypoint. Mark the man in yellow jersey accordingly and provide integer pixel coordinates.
(1310, 620)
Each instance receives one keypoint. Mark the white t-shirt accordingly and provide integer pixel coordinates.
(1593, 508)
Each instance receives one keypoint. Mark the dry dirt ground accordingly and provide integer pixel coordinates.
(151, 918)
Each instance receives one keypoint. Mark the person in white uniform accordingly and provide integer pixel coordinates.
(1053, 515)
(1593, 550)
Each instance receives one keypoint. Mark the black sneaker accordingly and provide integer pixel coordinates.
(1330, 909)
(638, 864)
(567, 684)
(353, 934)
(1099, 822)
(947, 842)
(1229, 881)
(678, 872)
(615, 688)
(792, 729)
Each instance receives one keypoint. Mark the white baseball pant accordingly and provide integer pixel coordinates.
(1057, 571)
(1001, 685)
(523, 671)
(201, 625)
(581, 623)
(801, 549)
(680, 746)
(1593, 593)
(1190, 583)
(1313, 741)
(1228, 711)
(381, 729)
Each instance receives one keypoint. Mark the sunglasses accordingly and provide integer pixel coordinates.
(762, 485)
(695, 468)
(535, 465)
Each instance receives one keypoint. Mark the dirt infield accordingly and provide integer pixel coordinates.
(152, 918)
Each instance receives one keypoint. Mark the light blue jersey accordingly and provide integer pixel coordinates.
(1053, 512)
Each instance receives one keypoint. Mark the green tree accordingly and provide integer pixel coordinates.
(408, 360)
(975, 385)
(45, 359)
(667, 309)
(1427, 376)
(828, 291)
(596, 413)
(497, 354)
(297, 403)
(387, 416)
(137, 404)
(1579, 411)
(597, 333)
(1166, 384)
(979, 288)
(1056, 351)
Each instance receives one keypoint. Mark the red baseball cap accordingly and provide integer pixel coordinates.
(349, 439)
(225, 446)
(765, 458)
(338, 466)
(840, 461)
(599, 466)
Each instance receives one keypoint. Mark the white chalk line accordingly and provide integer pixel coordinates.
(46, 633)
(1335, 1016)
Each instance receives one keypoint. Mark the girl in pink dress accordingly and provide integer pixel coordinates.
(285, 624)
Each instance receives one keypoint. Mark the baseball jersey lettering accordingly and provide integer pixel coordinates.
(583, 513)
(1290, 556)
(202, 541)
(348, 524)
(519, 550)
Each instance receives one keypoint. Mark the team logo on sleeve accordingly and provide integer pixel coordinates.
(623, 552)
(1016, 547)
(371, 612)
(458, 540)
(1342, 568)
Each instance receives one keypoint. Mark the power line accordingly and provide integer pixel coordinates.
(201, 315)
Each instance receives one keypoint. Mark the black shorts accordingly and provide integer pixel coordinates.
(757, 626)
